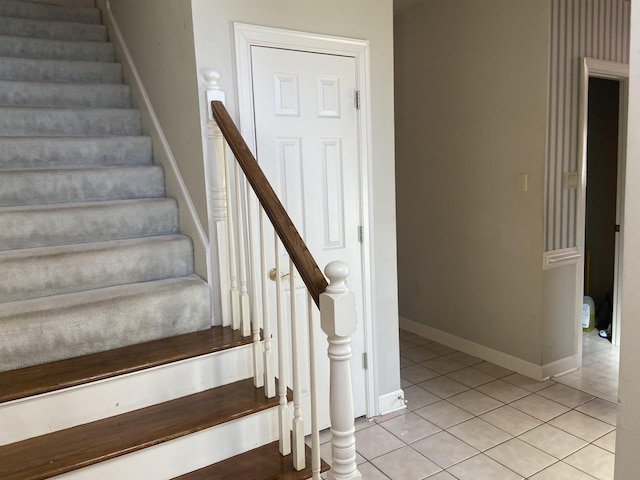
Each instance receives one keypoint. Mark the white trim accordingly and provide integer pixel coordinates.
(156, 129)
(247, 36)
(560, 258)
(502, 359)
(560, 367)
(392, 402)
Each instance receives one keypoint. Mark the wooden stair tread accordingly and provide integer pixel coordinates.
(52, 376)
(77, 447)
(263, 463)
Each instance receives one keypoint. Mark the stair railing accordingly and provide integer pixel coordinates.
(246, 194)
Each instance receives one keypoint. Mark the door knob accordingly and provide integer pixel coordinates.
(273, 273)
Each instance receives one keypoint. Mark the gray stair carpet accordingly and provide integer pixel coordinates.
(90, 247)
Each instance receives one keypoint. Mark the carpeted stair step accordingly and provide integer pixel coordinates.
(23, 47)
(46, 271)
(67, 185)
(32, 121)
(59, 224)
(42, 152)
(42, 11)
(39, 70)
(52, 30)
(75, 324)
(40, 94)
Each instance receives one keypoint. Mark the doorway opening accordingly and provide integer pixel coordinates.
(604, 97)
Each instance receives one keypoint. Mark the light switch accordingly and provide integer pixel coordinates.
(571, 180)
(522, 182)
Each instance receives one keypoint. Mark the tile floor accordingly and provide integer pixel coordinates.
(467, 419)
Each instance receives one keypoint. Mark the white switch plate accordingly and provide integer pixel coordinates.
(571, 180)
(523, 179)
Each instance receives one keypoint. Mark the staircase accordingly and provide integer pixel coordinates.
(109, 366)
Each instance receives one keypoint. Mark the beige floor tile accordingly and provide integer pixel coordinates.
(417, 397)
(414, 339)
(553, 441)
(503, 391)
(581, 425)
(561, 471)
(405, 464)
(593, 460)
(375, 441)
(471, 377)
(464, 358)
(482, 467)
(443, 414)
(444, 449)
(474, 402)
(443, 365)
(405, 362)
(370, 472)
(443, 387)
(527, 383)
(441, 476)
(417, 373)
(404, 345)
(567, 396)
(601, 409)
(410, 427)
(440, 349)
(608, 442)
(405, 383)
(520, 457)
(511, 420)
(492, 369)
(418, 354)
(479, 434)
(539, 407)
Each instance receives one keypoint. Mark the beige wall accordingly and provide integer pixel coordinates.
(159, 35)
(364, 19)
(628, 431)
(471, 114)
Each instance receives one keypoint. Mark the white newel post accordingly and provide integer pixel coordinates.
(216, 188)
(338, 320)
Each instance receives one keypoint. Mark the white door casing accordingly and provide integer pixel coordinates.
(298, 113)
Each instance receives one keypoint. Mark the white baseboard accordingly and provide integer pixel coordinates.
(538, 372)
(391, 402)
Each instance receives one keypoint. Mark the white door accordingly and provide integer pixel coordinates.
(306, 131)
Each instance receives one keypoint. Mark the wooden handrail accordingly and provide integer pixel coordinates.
(289, 235)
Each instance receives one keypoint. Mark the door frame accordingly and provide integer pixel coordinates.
(247, 36)
(593, 68)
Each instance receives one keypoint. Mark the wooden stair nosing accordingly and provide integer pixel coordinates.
(67, 450)
(24, 382)
(263, 463)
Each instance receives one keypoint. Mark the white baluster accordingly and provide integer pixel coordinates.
(338, 320)
(216, 189)
(245, 320)
(234, 293)
(315, 433)
(283, 409)
(298, 422)
(269, 374)
(258, 369)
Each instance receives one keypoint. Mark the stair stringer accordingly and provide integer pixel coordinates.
(41, 414)
(188, 453)
(176, 188)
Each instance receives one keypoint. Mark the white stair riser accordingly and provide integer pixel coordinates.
(42, 414)
(188, 453)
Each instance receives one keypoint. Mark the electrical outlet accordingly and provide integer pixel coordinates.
(570, 180)
(523, 180)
